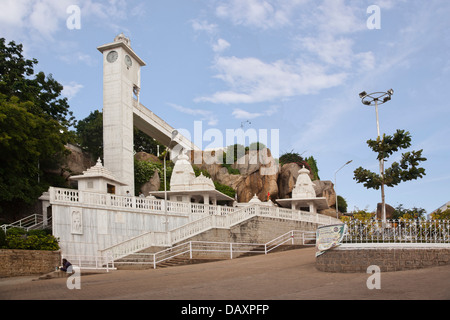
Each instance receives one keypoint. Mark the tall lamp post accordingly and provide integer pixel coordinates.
(335, 183)
(375, 99)
(174, 134)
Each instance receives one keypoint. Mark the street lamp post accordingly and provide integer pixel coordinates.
(375, 99)
(174, 134)
(335, 183)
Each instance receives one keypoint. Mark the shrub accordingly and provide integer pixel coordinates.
(17, 238)
(2, 239)
(229, 191)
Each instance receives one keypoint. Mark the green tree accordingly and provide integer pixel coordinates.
(441, 214)
(413, 213)
(313, 165)
(342, 204)
(90, 137)
(405, 170)
(90, 134)
(34, 122)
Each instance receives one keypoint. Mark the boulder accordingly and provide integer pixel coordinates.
(389, 211)
(256, 183)
(152, 185)
(325, 189)
(286, 179)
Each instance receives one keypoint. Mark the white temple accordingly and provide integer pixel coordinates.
(186, 187)
(98, 179)
(304, 195)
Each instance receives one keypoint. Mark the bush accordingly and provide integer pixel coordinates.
(2, 239)
(229, 191)
(17, 238)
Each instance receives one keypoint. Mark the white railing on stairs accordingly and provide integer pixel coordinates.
(209, 222)
(32, 222)
(223, 250)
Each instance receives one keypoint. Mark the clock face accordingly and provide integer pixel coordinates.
(128, 61)
(112, 56)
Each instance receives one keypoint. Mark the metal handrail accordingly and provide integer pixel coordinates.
(206, 246)
(26, 223)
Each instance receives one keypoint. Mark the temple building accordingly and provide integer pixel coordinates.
(186, 187)
(304, 195)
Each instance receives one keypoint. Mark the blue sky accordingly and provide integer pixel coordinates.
(296, 66)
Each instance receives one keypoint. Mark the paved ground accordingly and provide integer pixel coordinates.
(289, 275)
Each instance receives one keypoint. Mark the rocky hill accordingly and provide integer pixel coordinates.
(260, 174)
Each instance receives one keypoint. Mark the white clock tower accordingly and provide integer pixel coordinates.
(121, 86)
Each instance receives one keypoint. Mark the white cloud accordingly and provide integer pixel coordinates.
(252, 80)
(336, 52)
(242, 114)
(71, 89)
(335, 17)
(40, 19)
(206, 115)
(221, 45)
(203, 25)
(262, 14)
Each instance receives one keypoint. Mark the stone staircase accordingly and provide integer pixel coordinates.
(144, 260)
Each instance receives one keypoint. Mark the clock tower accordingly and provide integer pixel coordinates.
(121, 86)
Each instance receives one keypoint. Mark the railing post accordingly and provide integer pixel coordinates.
(231, 250)
(190, 250)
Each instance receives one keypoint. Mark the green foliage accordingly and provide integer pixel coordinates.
(229, 191)
(294, 157)
(313, 165)
(35, 125)
(342, 204)
(257, 146)
(441, 214)
(144, 170)
(230, 155)
(291, 157)
(233, 153)
(413, 213)
(90, 137)
(199, 171)
(17, 238)
(90, 134)
(2, 239)
(144, 143)
(407, 169)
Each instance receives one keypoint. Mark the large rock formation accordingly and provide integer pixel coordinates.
(260, 174)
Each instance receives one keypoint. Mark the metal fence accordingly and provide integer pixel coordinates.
(217, 250)
(398, 231)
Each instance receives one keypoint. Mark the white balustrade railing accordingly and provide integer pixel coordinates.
(398, 231)
(76, 197)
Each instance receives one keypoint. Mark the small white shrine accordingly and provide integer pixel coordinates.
(186, 187)
(304, 195)
(98, 179)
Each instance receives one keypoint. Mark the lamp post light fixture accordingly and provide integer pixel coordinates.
(174, 134)
(335, 183)
(375, 99)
